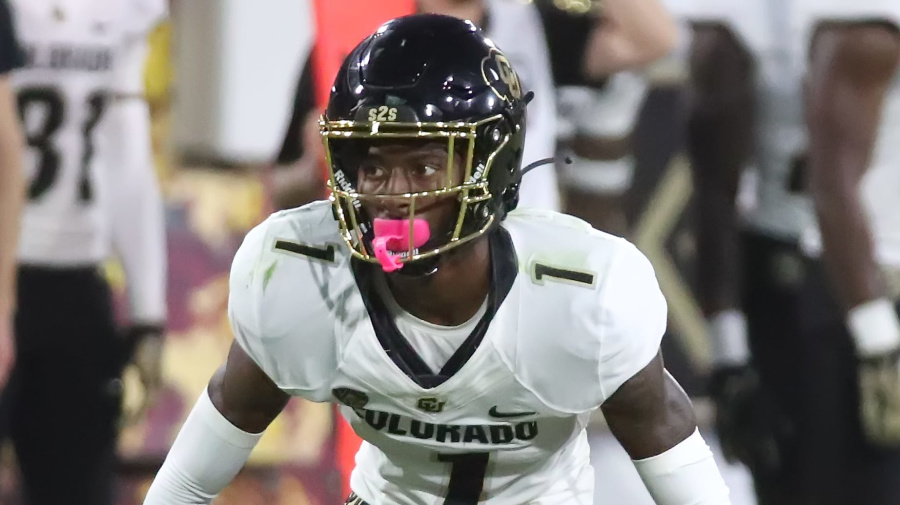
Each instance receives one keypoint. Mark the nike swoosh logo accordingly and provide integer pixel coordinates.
(508, 415)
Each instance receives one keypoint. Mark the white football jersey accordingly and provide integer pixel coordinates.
(778, 34)
(572, 315)
(73, 49)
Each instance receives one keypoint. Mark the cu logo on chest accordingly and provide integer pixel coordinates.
(431, 405)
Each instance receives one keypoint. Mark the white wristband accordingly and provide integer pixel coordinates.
(728, 338)
(684, 475)
(875, 327)
(207, 454)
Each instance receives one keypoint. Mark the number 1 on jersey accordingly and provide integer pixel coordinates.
(540, 271)
(467, 472)
(96, 104)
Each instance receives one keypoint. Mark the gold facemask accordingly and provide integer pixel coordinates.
(460, 136)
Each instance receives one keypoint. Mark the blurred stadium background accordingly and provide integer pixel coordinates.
(220, 79)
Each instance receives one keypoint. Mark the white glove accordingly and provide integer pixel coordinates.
(875, 328)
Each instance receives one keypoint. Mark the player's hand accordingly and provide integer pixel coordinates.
(7, 348)
(879, 399)
(145, 346)
(746, 421)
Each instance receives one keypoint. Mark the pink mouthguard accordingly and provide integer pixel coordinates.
(392, 235)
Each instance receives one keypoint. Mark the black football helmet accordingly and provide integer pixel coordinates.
(427, 77)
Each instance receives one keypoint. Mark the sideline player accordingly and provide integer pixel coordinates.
(92, 191)
(788, 399)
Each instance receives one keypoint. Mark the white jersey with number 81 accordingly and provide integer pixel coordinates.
(73, 52)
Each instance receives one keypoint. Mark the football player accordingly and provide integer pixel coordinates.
(467, 342)
(806, 91)
(91, 190)
(12, 189)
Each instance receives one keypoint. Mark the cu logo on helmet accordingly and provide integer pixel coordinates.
(497, 67)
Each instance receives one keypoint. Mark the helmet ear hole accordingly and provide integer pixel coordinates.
(492, 137)
(494, 134)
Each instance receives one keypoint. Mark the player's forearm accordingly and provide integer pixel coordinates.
(845, 94)
(839, 155)
(652, 417)
(718, 239)
(684, 475)
(633, 33)
(138, 218)
(207, 454)
(670, 455)
(719, 141)
(650, 413)
(220, 433)
(848, 251)
(141, 241)
(12, 195)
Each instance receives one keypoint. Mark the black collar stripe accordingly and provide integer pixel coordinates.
(504, 267)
